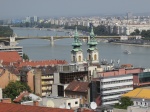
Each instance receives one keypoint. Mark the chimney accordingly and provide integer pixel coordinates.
(35, 103)
(6, 100)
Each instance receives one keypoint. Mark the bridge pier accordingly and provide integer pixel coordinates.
(52, 40)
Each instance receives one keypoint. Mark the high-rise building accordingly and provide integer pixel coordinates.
(129, 15)
(28, 19)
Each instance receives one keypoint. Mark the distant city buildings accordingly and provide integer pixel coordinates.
(121, 25)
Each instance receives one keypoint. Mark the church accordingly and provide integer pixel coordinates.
(92, 51)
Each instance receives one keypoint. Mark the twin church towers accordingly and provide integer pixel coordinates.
(92, 51)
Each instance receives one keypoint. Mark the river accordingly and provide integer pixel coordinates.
(39, 49)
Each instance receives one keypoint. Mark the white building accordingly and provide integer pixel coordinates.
(113, 87)
(108, 86)
(61, 102)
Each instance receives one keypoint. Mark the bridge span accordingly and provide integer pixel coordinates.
(52, 38)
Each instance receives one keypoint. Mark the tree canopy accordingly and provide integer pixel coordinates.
(25, 57)
(124, 103)
(143, 33)
(5, 31)
(13, 89)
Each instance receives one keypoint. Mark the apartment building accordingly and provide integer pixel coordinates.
(107, 87)
(43, 80)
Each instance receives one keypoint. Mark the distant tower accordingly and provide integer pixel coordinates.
(93, 55)
(76, 53)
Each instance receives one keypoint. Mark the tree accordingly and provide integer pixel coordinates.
(124, 103)
(136, 32)
(25, 57)
(13, 89)
(5, 31)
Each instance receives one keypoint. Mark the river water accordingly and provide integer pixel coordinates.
(40, 49)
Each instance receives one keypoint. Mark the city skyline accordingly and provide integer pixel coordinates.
(56, 8)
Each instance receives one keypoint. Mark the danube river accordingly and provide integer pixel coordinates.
(38, 49)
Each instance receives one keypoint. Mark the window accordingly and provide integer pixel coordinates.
(73, 58)
(79, 58)
(89, 57)
(76, 102)
(95, 57)
(69, 104)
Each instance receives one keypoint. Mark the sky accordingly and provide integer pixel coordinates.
(57, 8)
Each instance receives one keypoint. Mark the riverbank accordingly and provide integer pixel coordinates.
(145, 45)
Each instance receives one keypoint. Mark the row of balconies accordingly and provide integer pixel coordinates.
(47, 88)
(47, 82)
(47, 77)
(117, 84)
(117, 90)
(46, 93)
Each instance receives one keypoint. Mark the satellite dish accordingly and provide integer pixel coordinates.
(50, 103)
(93, 105)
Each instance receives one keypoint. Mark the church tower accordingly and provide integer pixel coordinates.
(93, 55)
(76, 53)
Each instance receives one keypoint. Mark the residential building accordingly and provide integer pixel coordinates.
(44, 79)
(8, 74)
(39, 74)
(142, 79)
(140, 98)
(62, 80)
(108, 86)
(78, 89)
(61, 102)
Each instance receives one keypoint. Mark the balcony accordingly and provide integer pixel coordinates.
(110, 102)
(117, 90)
(117, 84)
(47, 83)
(47, 77)
(112, 96)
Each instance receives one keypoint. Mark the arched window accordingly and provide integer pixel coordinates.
(95, 57)
(89, 57)
(79, 58)
(74, 58)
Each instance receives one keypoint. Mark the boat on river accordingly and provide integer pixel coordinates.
(127, 52)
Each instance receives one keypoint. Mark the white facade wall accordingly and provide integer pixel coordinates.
(54, 90)
(1, 96)
(61, 102)
(113, 87)
(56, 78)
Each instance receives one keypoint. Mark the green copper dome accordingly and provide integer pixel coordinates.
(76, 44)
(92, 43)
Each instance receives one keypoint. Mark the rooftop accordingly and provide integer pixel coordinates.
(9, 107)
(42, 63)
(142, 93)
(11, 56)
(78, 86)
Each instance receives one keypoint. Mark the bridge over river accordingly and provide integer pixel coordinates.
(52, 38)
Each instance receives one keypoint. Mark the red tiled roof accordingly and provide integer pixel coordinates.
(19, 98)
(9, 107)
(78, 86)
(11, 56)
(42, 63)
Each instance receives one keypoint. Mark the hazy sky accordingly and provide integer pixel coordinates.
(22, 8)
